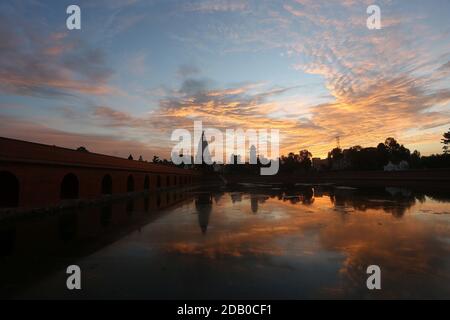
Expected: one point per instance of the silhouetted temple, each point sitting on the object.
(203, 156)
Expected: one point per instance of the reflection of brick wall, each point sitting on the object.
(40, 169)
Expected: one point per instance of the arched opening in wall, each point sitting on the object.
(107, 184)
(146, 183)
(168, 181)
(9, 190)
(158, 181)
(69, 187)
(130, 183)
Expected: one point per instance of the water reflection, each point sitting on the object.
(251, 242)
(254, 203)
(203, 204)
(55, 237)
(106, 215)
(130, 207)
(390, 200)
(395, 201)
(304, 196)
(146, 204)
(7, 240)
(68, 225)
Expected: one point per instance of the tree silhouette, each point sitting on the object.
(305, 159)
(391, 144)
(396, 151)
(415, 159)
(305, 155)
(446, 141)
(335, 154)
(82, 149)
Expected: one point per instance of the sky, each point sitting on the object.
(137, 70)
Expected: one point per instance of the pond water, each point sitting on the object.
(248, 243)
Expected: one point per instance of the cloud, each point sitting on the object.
(358, 116)
(217, 5)
(445, 66)
(187, 70)
(379, 83)
(35, 63)
(116, 4)
(137, 64)
(114, 145)
(234, 106)
(247, 106)
(115, 118)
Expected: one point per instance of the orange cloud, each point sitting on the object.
(49, 65)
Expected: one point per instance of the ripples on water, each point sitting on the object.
(263, 242)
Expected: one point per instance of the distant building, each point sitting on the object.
(401, 166)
